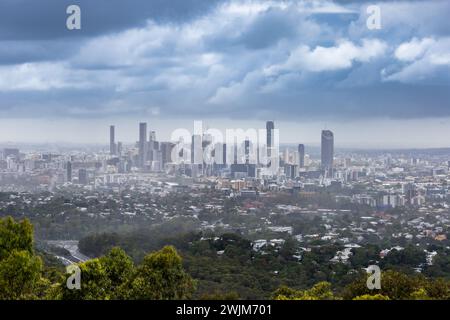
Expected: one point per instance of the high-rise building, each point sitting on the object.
(224, 153)
(235, 151)
(291, 171)
(69, 171)
(112, 143)
(327, 151)
(142, 143)
(166, 151)
(286, 156)
(153, 145)
(152, 136)
(270, 126)
(207, 148)
(247, 151)
(301, 155)
(196, 149)
(219, 154)
(82, 176)
(119, 148)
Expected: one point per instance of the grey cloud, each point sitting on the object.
(178, 65)
(46, 19)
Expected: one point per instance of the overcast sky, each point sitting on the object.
(305, 64)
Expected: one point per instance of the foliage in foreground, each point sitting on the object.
(160, 275)
(113, 276)
(394, 286)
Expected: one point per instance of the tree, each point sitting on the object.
(410, 257)
(19, 275)
(420, 294)
(15, 236)
(400, 286)
(161, 277)
(20, 269)
(438, 289)
(289, 249)
(119, 268)
(320, 291)
(371, 297)
(95, 284)
(220, 296)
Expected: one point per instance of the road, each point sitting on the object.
(72, 246)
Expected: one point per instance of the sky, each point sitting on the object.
(308, 65)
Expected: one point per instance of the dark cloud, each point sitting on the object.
(268, 29)
(220, 65)
(16, 52)
(36, 30)
(46, 19)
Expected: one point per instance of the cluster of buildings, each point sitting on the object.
(349, 197)
(244, 168)
(244, 157)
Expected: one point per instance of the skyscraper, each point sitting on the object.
(69, 171)
(152, 145)
(247, 151)
(112, 143)
(166, 151)
(142, 143)
(83, 176)
(286, 156)
(152, 136)
(327, 151)
(224, 154)
(119, 148)
(196, 150)
(301, 155)
(235, 151)
(270, 126)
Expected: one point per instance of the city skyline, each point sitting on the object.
(224, 150)
(375, 135)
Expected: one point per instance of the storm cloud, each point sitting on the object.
(285, 60)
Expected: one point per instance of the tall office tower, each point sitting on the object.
(196, 149)
(119, 148)
(166, 152)
(142, 143)
(69, 171)
(112, 143)
(327, 151)
(152, 144)
(270, 126)
(82, 176)
(236, 150)
(224, 154)
(207, 149)
(301, 155)
(247, 151)
(152, 136)
(286, 156)
(217, 154)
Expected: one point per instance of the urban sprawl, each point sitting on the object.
(352, 198)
